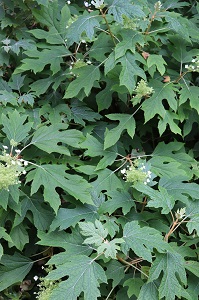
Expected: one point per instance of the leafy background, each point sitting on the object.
(99, 139)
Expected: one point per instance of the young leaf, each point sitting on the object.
(85, 275)
(109, 248)
(125, 122)
(96, 231)
(174, 275)
(142, 240)
(13, 269)
(86, 77)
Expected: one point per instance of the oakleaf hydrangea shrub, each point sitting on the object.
(99, 149)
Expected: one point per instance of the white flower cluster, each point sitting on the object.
(137, 174)
(158, 5)
(97, 3)
(194, 67)
(11, 168)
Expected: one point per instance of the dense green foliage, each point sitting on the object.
(99, 145)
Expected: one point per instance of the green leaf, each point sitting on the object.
(80, 112)
(70, 217)
(142, 240)
(52, 55)
(153, 105)
(85, 23)
(128, 44)
(24, 44)
(115, 271)
(192, 212)
(158, 61)
(42, 215)
(85, 275)
(47, 138)
(149, 291)
(190, 93)
(96, 231)
(55, 20)
(116, 200)
(193, 267)
(125, 122)
(134, 285)
(19, 237)
(27, 98)
(8, 97)
(106, 180)
(130, 69)
(180, 190)
(157, 199)
(109, 248)
(169, 119)
(72, 243)
(4, 235)
(123, 8)
(13, 269)
(174, 275)
(52, 176)
(14, 127)
(86, 77)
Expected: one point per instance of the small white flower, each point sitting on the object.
(35, 278)
(17, 151)
(123, 171)
(24, 172)
(86, 4)
(25, 162)
(145, 183)
(193, 67)
(89, 62)
(68, 2)
(83, 41)
(5, 147)
(186, 66)
(148, 180)
(193, 60)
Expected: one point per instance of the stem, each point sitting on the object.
(110, 293)
(131, 265)
(109, 29)
(172, 229)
